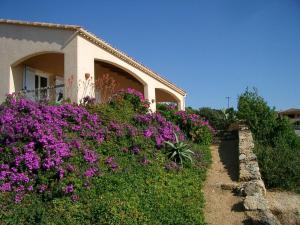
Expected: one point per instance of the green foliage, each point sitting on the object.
(219, 119)
(216, 117)
(168, 112)
(119, 110)
(143, 190)
(201, 135)
(135, 98)
(179, 151)
(280, 166)
(195, 126)
(254, 110)
(277, 145)
(136, 194)
(121, 107)
(230, 116)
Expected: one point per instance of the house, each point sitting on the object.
(292, 113)
(294, 116)
(67, 61)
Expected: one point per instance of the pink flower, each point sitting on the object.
(69, 189)
(90, 156)
(18, 198)
(148, 133)
(74, 198)
(90, 172)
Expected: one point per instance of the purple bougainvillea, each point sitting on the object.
(35, 138)
(69, 189)
(158, 128)
(90, 172)
(194, 120)
(111, 163)
(44, 147)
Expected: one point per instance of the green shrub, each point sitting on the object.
(196, 128)
(280, 166)
(201, 135)
(119, 110)
(216, 117)
(121, 107)
(169, 112)
(261, 119)
(277, 145)
(136, 194)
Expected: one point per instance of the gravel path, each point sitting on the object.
(222, 206)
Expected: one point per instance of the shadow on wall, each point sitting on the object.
(36, 34)
(228, 151)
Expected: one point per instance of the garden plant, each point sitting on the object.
(277, 146)
(99, 163)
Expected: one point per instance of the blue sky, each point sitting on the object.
(212, 49)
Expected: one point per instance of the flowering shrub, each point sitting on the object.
(156, 127)
(63, 165)
(121, 107)
(44, 146)
(39, 144)
(195, 127)
(133, 96)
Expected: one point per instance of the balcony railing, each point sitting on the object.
(51, 93)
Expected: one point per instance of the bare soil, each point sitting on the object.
(223, 207)
(285, 206)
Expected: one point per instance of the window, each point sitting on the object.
(41, 82)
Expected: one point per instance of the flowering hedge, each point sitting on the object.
(50, 149)
(136, 98)
(91, 164)
(195, 127)
(39, 144)
(156, 126)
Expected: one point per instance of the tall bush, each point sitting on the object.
(277, 146)
(254, 110)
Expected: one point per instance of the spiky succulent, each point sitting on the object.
(179, 151)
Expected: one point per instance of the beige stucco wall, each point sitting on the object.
(122, 79)
(89, 52)
(18, 43)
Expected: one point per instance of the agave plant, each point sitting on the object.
(179, 151)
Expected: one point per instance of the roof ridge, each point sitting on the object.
(134, 60)
(45, 24)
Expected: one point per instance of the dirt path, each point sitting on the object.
(222, 206)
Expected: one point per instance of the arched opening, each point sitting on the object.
(164, 97)
(110, 78)
(40, 76)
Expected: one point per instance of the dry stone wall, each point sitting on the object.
(251, 186)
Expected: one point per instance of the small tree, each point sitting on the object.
(261, 119)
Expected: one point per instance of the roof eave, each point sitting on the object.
(98, 41)
(121, 55)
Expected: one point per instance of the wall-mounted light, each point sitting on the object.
(87, 76)
(152, 100)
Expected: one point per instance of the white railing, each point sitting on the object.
(51, 93)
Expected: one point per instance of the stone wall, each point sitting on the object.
(251, 186)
